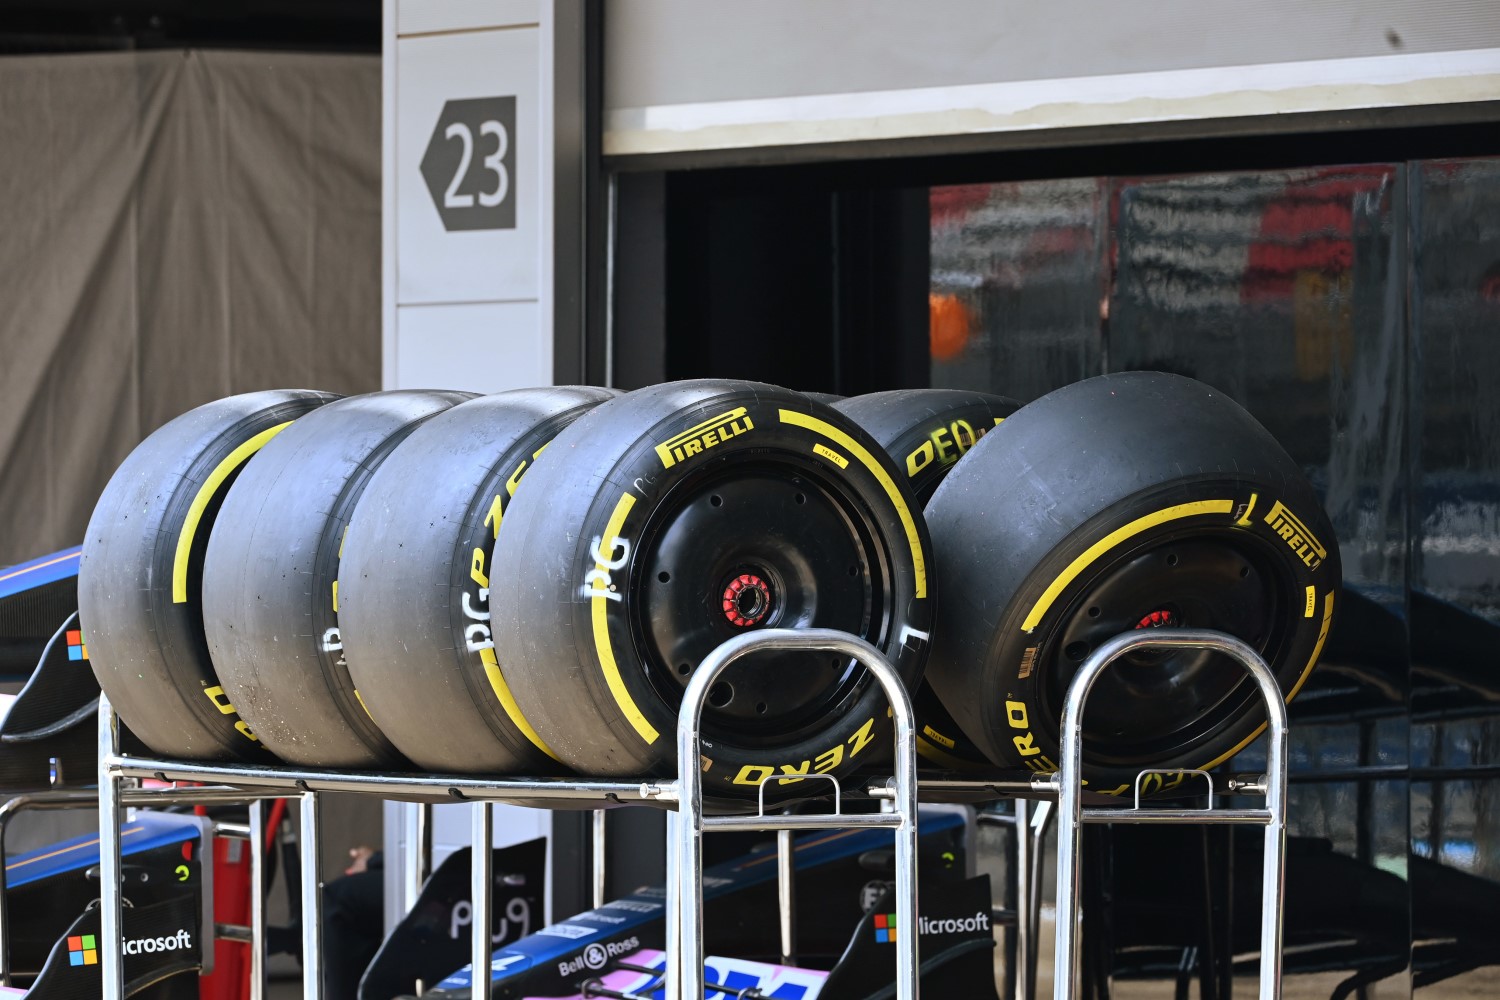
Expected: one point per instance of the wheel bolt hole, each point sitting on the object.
(1076, 651)
(1244, 572)
(1094, 612)
(801, 498)
(684, 669)
(664, 576)
(720, 695)
(836, 663)
(1172, 559)
(760, 707)
(716, 500)
(854, 571)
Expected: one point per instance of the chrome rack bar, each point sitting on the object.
(685, 847)
(1071, 815)
(481, 895)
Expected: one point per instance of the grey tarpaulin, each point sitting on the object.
(174, 227)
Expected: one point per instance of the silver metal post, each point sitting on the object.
(481, 891)
(786, 877)
(1070, 806)
(416, 863)
(600, 858)
(111, 950)
(690, 798)
(672, 942)
(1041, 823)
(257, 901)
(1025, 986)
(312, 899)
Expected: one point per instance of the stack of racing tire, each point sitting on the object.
(523, 583)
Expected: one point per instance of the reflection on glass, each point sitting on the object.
(1017, 285)
(1455, 585)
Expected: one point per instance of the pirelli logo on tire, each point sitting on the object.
(701, 437)
(1295, 534)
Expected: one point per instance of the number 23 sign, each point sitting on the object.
(470, 164)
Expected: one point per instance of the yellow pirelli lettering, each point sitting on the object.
(1109, 541)
(600, 617)
(204, 497)
(1244, 521)
(831, 455)
(862, 454)
(696, 439)
(336, 597)
(508, 700)
(1292, 531)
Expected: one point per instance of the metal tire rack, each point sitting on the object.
(687, 824)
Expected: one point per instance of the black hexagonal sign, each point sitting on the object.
(470, 164)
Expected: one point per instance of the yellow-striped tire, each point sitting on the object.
(415, 579)
(672, 518)
(926, 432)
(1138, 500)
(139, 579)
(271, 579)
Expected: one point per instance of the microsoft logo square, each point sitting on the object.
(77, 648)
(82, 950)
(885, 927)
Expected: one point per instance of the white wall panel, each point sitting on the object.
(480, 347)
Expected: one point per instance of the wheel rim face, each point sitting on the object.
(758, 545)
(1151, 702)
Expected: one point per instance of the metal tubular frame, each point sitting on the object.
(687, 824)
(1072, 815)
(685, 857)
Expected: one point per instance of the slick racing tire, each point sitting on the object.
(416, 574)
(140, 576)
(925, 431)
(675, 517)
(1140, 500)
(270, 579)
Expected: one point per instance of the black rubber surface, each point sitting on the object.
(147, 645)
(1125, 501)
(415, 579)
(926, 431)
(665, 521)
(270, 579)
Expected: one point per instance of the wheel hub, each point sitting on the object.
(747, 600)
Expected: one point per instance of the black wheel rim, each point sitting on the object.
(747, 545)
(1152, 704)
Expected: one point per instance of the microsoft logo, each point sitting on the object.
(77, 648)
(885, 927)
(82, 951)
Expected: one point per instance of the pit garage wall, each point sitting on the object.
(737, 80)
(178, 226)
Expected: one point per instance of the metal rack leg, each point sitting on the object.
(673, 930)
(111, 951)
(312, 899)
(257, 901)
(786, 891)
(600, 858)
(481, 890)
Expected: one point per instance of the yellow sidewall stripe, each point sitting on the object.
(602, 645)
(1109, 541)
(205, 496)
(508, 702)
(1312, 661)
(832, 433)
